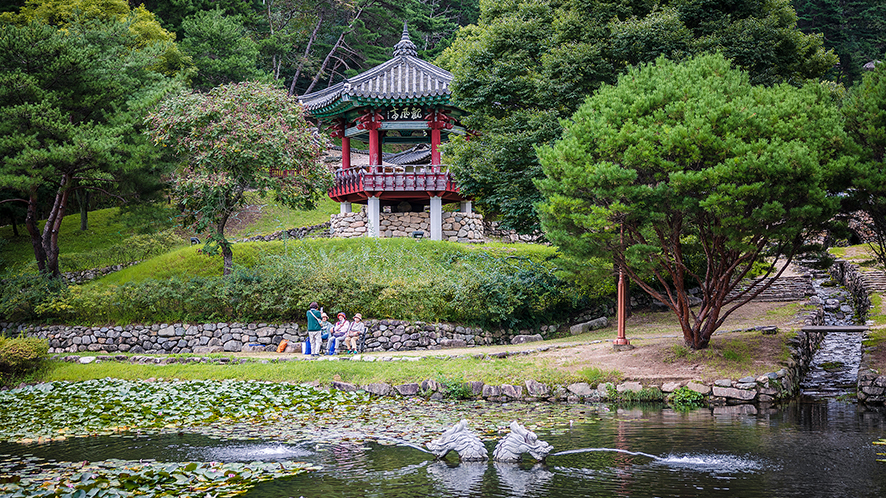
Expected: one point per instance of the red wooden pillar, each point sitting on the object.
(338, 131)
(436, 122)
(435, 146)
(371, 121)
(345, 152)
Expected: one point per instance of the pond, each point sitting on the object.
(806, 448)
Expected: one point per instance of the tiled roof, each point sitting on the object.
(403, 79)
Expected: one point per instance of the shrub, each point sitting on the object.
(685, 398)
(20, 356)
(21, 295)
(395, 279)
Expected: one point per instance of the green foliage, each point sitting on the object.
(146, 478)
(20, 355)
(455, 389)
(854, 29)
(865, 112)
(645, 394)
(135, 248)
(232, 139)
(402, 279)
(693, 149)
(594, 376)
(22, 294)
(528, 57)
(221, 49)
(685, 398)
(71, 102)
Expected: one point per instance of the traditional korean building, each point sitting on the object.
(402, 101)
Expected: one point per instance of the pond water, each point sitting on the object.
(813, 448)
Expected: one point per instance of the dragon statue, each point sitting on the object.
(519, 441)
(457, 438)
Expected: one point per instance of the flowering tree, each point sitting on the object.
(232, 139)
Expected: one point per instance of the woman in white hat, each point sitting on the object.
(357, 329)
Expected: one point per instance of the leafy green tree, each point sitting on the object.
(526, 57)
(865, 111)
(693, 154)
(222, 49)
(855, 29)
(233, 138)
(71, 102)
(142, 24)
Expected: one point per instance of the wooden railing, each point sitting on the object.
(418, 178)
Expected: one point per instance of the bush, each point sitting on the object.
(20, 356)
(394, 279)
(21, 295)
(685, 398)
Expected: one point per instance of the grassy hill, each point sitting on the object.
(490, 284)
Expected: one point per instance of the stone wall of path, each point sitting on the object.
(871, 387)
(208, 338)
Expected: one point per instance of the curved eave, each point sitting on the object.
(343, 106)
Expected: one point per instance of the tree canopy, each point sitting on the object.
(682, 159)
(233, 138)
(71, 102)
(865, 111)
(529, 63)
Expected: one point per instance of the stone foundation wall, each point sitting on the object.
(457, 227)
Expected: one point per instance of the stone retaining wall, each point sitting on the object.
(871, 386)
(382, 335)
(851, 277)
(81, 276)
(457, 227)
(313, 231)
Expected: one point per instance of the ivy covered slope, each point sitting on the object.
(491, 285)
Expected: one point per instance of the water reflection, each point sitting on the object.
(458, 479)
(520, 482)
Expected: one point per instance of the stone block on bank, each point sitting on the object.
(580, 389)
(581, 328)
(732, 393)
(410, 389)
(699, 388)
(669, 387)
(344, 386)
(536, 389)
(379, 389)
(629, 386)
(524, 338)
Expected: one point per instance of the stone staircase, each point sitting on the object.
(874, 280)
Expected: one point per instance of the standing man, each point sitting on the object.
(314, 328)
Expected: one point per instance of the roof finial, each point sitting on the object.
(405, 45)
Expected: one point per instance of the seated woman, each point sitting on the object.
(325, 329)
(353, 336)
(339, 332)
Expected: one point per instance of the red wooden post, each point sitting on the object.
(374, 158)
(436, 122)
(435, 146)
(371, 121)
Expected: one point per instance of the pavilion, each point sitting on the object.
(402, 101)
